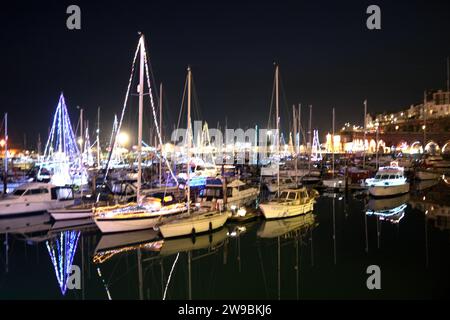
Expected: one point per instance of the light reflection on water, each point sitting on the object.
(319, 255)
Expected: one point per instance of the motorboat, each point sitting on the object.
(238, 194)
(291, 202)
(389, 181)
(35, 197)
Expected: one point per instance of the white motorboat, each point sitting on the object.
(238, 194)
(195, 223)
(35, 197)
(389, 181)
(291, 202)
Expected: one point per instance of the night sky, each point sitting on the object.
(326, 54)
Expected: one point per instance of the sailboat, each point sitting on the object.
(146, 212)
(290, 202)
(202, 220)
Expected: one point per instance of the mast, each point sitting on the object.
(141, 107)
(332, 146)
(160, 128)
(310, 138)
(5, 176)
(364, 136)
(81, 132)
(189, 139)
(98, 137)
(299, 125)
(295, 142)
(278, 128)
(448, 74)
(424, 119)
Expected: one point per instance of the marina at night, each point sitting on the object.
(212, 151)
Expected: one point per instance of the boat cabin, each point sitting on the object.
(290, 195)
(44, 190)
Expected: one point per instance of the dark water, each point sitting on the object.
(320, 255)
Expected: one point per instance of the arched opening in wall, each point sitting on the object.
(372, 146)
(446, 148)
(432, 148)
(382, 147)
(416, 147)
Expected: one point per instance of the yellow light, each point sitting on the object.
(2, 143)
(396, 127)
(423, 127)
(123, 138)
(80, 141)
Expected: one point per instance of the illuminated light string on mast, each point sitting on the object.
(158, 130)
(62, 250)
(316, 152)
(61, 153)
(125, 105)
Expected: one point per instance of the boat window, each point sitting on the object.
(292, 196)
(37, 191)
(384, 177)
(392, 176)
(288, 181)
(61, 193)
(211, 192)
(18, 192)
(378, 177)
(283, 195)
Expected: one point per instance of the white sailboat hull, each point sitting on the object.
(274, 210)
(70, 214)
(124, 225)
(386, 191)
(195, 224)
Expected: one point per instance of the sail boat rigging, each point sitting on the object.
(146, 212)
(290, 202)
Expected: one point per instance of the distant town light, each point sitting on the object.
(423, 127)
(2, 143)
(123, 138)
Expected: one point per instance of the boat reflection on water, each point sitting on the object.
(125, 239)
(62, 248)
(25, 224)
(388, 209)
(286, 227)
(186, 244)
(436, 207)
